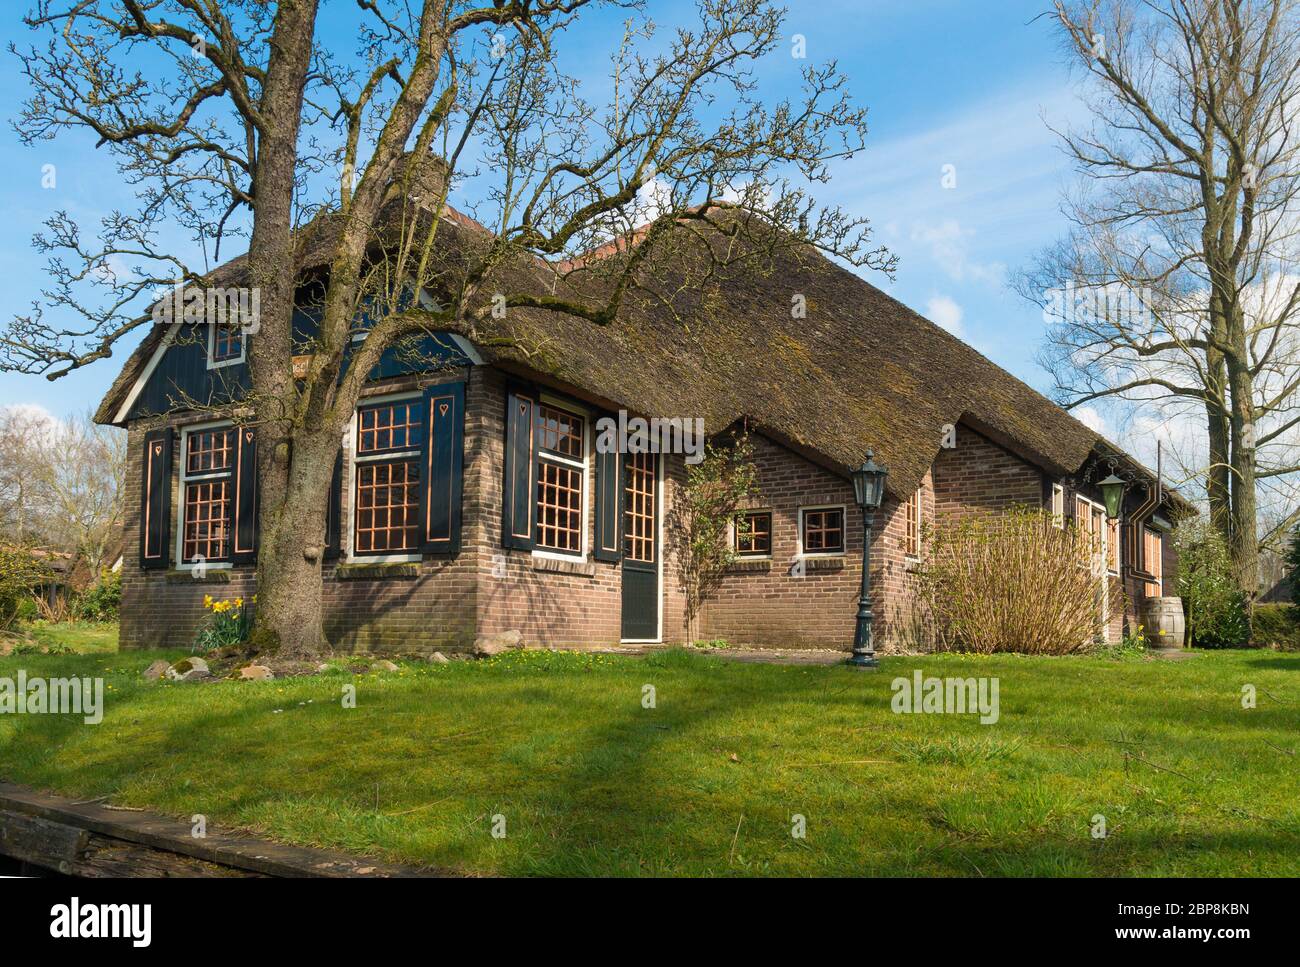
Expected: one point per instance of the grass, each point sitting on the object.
(709, 780)
(87, 637)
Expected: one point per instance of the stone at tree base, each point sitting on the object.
(155, 671)
(323, 667)
(255, 673)
(489, 645)
(383, 665)
(438, 658)
(188, 669)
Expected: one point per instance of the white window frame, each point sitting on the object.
(186, 478)
(919, 497)
(804, 555)
(214, 363)
(352, 441)
(1058, 506)
(771, 540)
(584, 465)
(1100, 568)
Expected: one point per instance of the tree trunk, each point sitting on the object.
(289, 618)
(1243, 543)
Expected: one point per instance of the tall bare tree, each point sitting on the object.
(1176, 284)
(61, 483)
(236, 117)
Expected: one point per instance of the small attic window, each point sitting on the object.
(225, 345)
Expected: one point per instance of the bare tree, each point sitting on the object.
(80, 470)
(22, 514)
(61, 483)
(1176, 286)
(245, 123)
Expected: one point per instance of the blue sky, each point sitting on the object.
(948, 82)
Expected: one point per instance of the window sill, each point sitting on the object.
(582, 569)
(744, 566)
(377, 572)
(216, 574)
(823, 563)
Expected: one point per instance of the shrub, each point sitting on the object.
(1008, 583)
(229, 624)
(1292, 564)
(103, 601)
(1276, 626)
(20, 575)
(1214, 607)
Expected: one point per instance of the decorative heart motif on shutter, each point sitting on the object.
(523, 407)
(248, 436)
(442, 409)
(157, 448)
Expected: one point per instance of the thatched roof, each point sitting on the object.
(859, 371)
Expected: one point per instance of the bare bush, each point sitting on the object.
(1013, 582)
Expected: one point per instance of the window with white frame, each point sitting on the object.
(561, 479)
(1152, 550)
(386, 477)
(207, 464)
(1090, 517)
(912, 509)
(821, 530)
(225, 344)
(1058, 505)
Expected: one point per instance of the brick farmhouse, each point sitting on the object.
(470, 496)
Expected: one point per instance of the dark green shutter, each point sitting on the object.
(442, 468)
(334, 512)
(245, 496)
(519, 498)
(156, 499)
(609, 502)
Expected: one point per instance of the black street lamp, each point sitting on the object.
(868, 491)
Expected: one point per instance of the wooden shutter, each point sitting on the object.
(609, 503)
(334, 512)
(442, 468)
(519, 496)
(245, 501)
(156, 499)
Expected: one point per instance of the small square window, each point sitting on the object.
(227, 343)
(754, 534)
(823, 531)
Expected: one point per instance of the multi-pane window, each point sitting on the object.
(639, 507)
(1152, 546)
(912, 525)
(754, 533)
(387, 494)
(227, 343)
(561, 476)
(1112, 545)
(823, 531)
(1091, 519)
(205, 488)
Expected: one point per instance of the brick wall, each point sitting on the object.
(484, 589)
(560, 603)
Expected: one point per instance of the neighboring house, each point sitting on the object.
(469, 496)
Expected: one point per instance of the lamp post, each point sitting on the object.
(868, 491)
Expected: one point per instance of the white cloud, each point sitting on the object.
(1091, 418)
(949, 245)
(945, 313)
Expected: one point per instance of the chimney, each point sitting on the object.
(425, 186)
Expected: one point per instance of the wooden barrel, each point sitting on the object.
(1164, 624)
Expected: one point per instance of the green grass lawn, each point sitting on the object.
(707, 782)
(82, 636)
